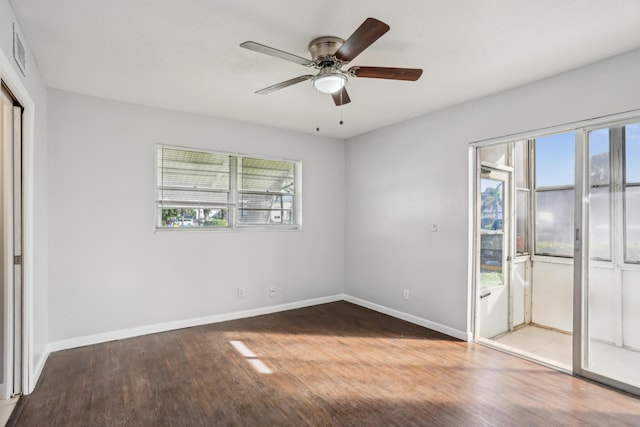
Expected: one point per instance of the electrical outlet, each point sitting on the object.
(405, 294)
(434, 226)
(272, 291)
(240, 292)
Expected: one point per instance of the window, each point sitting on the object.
(521, 163)
(599, 201)
(614, 193)
(554, 194)
(492, 239)
(523, 194)
(632, 193)
(522, 228)
(218, 190)
(495, 154)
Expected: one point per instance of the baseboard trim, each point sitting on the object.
(461, 335)
(37, 371)
(180, 324)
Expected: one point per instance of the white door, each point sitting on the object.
(493, 253)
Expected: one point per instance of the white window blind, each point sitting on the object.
(267, 191)
(192, 178)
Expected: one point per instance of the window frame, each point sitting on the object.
(241, 191)
(233, 204)
(526, 166)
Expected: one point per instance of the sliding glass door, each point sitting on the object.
(610, 342)
(589, 321)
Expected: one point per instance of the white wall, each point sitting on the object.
(403, 177)
(552, 294)
(111, 271)
(521, 292)
(35, 183)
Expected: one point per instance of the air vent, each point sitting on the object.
(19, 52)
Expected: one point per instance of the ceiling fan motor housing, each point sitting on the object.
(322, 50)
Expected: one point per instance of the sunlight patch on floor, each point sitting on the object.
(251, 357)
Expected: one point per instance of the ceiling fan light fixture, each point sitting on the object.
(329, 83)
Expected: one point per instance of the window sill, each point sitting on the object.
(241, 228)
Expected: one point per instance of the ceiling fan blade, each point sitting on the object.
(341, 97)
(410, 74)
(282, 85)
(260, 48)
(367, 33)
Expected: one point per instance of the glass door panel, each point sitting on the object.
(493, 316)
(611, 288)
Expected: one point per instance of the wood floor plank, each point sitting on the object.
(333, 364)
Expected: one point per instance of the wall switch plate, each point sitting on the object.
(240, 292)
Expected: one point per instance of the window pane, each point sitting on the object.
(632, 194)
(492, 235)
(599, 157)
(496, 154)
(599, 219)
(555, 160)
(491, 259)
(195, 217)
(632, 224)
(267, 190)
(266, 209)
(522, 212)
(554, 222)
(192, 169)
(632, 152)
(267, 176)
(521, 166)
(266, 201)
(264, 216)
(492, 194)
(187, 178)
(178, 197)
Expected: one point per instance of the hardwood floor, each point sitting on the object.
(333, 364)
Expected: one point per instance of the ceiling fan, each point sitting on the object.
(329, 54)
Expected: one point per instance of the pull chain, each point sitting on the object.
(317, 110)
(341, 106)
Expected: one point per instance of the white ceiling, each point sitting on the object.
(184, 55)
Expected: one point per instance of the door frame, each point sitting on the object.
(11, 214)
(15, 83)
(476, 241)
